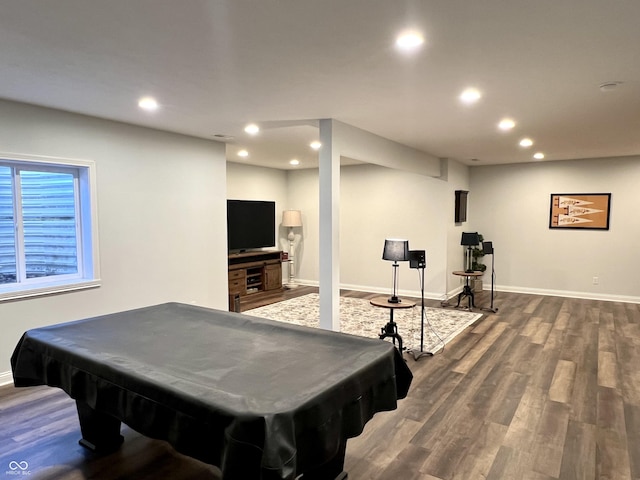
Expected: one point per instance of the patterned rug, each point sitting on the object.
(359, 317)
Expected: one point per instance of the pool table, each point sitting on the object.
(260, 399)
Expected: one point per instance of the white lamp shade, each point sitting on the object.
(291, 218)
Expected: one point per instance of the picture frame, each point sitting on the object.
(580, 211)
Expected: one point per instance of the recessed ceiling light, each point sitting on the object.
(222, 137)
(470, 95)
(506, 124)
(315, 145)
(149, 104)
(538, 156)
(252, 129)
(243, 153)
(526, 142)
(409, 40)
(294, 162)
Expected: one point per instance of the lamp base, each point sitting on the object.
(394, 299)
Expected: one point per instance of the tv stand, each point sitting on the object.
(253, 273)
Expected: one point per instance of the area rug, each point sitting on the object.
(359, 317)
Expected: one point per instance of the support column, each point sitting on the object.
(329, 164)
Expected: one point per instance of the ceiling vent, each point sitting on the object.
(609, 86)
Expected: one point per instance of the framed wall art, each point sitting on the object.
(587, 211)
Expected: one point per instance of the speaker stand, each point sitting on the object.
(421, 353)
(493, 274)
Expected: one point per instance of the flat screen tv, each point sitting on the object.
(251, 224)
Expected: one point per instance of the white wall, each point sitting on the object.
(457, 176)
(303, 192)
(509, 204)
(162, 210)
(378, 203)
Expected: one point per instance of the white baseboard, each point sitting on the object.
(607, 297)
(5, 378)
(487, 287)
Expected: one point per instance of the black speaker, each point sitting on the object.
(461, 206)
(487, 247)
(417, 259)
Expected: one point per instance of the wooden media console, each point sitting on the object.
(254, 272)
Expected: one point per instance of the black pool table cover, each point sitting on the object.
(258, 398)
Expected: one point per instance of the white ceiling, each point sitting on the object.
(215, 65)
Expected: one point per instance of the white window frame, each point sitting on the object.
(88, 275)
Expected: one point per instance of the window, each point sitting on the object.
(48, 239)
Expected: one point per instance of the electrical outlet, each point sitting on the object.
(595, 280)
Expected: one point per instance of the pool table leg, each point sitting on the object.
(332, 469)
(100, 432)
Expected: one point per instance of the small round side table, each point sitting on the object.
(391, 328)
(467, 291)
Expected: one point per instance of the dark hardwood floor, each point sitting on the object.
(546, 388)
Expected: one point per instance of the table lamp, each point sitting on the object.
(469, 240)
(395, 250)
